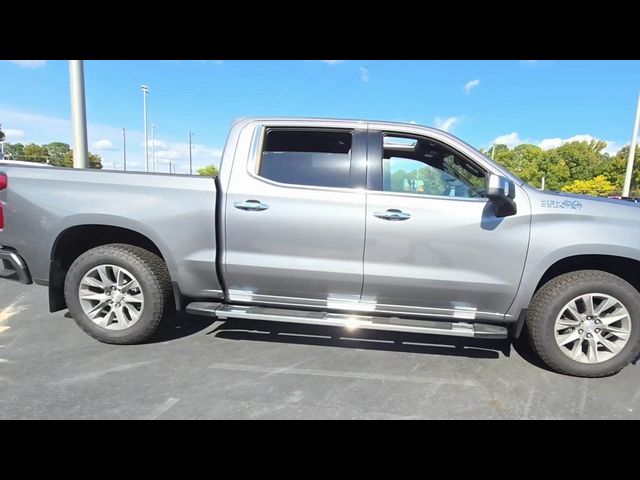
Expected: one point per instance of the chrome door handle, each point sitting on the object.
(251, 205)
(393, 214)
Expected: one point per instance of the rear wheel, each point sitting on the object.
(585, 323)
(119, 293)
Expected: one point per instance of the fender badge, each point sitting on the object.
(565, 204)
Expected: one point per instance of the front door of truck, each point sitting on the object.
(295, 217)
(434, 245)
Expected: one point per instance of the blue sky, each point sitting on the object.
(536, 101)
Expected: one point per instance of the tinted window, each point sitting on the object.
(320, 158)
(422, 166)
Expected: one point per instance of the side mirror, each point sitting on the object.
(501, 191)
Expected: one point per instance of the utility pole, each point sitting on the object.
(544, 177)
(78, 114)
(493, 150)
(145, 91)
(632, 154)
(124, 148)
(190, 159)
(153, 147)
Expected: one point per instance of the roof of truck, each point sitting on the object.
(332, 120)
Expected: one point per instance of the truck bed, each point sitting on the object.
(176, 213)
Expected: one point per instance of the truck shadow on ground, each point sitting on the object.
(184, 325)
(318, 335)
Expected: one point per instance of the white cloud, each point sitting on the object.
(13, 133)
(332, 62)
(446, 124)
(513, 139)
(29, 63)
(612, 147)
(158, 144)
(548, 143)
(364, 74)
(470, 85)
(413, 121)
(510, 140)
(44, 129)
(104, 144)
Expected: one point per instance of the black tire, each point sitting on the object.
(153, 277)
(554, 295)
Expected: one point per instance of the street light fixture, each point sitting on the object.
(145, 92)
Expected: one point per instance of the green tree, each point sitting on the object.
(95, 161)
(208, 171)
(597, 187)
(1, 135)
(615, 168)
(58, 151)
(524, 161)
(555, 170)
(34, 153)
(13, 151)
(582, 158)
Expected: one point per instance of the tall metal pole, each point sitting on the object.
(493, 150)
(153, 147)
(190, 159)
(632, 153)
(124, 148)
(78, 114)
(145, 91)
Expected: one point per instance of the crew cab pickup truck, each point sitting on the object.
(345, 223)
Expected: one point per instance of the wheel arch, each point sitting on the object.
(74, 240)
(626, 268)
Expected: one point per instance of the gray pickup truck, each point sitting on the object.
(345, 223)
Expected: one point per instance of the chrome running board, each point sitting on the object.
(350, 322)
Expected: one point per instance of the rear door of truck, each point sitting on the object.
(295, 216)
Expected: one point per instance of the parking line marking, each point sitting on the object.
(99, 373)
(8, 312)
(341, 374)
(165, 407)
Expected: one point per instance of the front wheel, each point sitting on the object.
(585, 323)
(118, 293)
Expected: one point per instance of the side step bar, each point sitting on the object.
(351, 322)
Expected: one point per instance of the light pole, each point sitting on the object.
(153, 147)
(190, 160)
(145, 91)
(632, 154)
(78, 114)
(124, 148)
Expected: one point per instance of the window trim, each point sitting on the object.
(358, 140)
(375, 158)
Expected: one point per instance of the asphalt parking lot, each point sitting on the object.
(200, 369)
